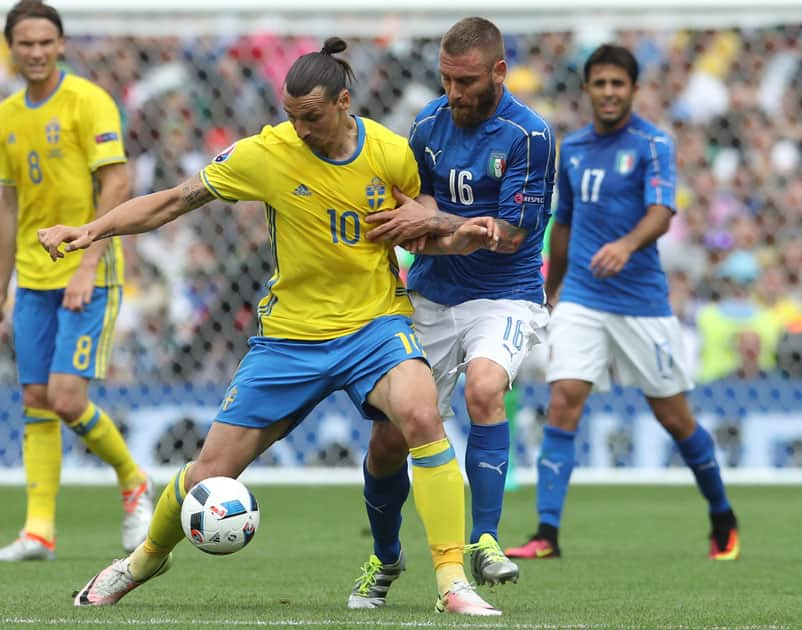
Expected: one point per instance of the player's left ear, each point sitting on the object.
(499, 71)
(60, 47)
(344, 100)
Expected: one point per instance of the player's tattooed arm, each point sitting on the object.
(444, 223)
(412, 219)
(140, 214)
(510, 237)
(194, 194)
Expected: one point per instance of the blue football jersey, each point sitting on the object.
(504, 168)
(606, 183)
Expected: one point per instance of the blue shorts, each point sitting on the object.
(51, 339)
(280, 378)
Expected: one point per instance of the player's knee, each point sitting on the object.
(484, 399)
(67, 406)
(679, 426)
(675, 415)
(387, 450)
(421, 424)
(565, 408)
(35, 398)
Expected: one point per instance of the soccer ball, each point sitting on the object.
(219, 515)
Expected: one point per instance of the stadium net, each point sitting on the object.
(725, 78)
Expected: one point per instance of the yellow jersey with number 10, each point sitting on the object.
(48, 152)
(329, 280)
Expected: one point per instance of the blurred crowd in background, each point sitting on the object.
(732, 100)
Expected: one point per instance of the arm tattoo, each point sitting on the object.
(194, 194)
(510, 237)
(445, 223)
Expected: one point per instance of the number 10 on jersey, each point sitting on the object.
(341, 225)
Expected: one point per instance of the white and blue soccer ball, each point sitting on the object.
(219, 515)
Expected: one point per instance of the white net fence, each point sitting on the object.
(725, 79)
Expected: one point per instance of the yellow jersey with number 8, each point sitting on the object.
(329, 279)
(49, 151)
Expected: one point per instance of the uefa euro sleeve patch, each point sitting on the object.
(225, 153)
(109, 136)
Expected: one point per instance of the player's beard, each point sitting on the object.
(465, 117)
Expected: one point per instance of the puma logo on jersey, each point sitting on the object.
(542, 134)
(433, 154)
(491, 467)
(552, 466)
(575, 160)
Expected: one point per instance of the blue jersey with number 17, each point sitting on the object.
(502, 168)
(606, 184)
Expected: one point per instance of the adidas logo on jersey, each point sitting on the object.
(302, 191)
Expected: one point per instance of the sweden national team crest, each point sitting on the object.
(53, 131)
(625, 162)
(496, 164)
(229, 398)
(375, 192)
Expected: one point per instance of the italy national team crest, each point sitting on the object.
(496, 164)
(625, 162)
(375, 192)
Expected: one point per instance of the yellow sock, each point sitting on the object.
(165, 529)
(41, 454)
(439, 492)
(103, 438)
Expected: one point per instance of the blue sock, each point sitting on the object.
(486, 460)
(699, 454)
(383, 501)
(554, 468)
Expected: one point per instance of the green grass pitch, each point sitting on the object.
(634, 557)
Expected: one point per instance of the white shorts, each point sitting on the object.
(452, 336)
(591, 345)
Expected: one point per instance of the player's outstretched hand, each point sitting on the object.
(610, 259)
(74, 237)
(406, 222)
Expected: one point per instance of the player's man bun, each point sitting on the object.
(333, 45)
(320, 69)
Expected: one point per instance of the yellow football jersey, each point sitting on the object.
(48, 151)
(329, 279)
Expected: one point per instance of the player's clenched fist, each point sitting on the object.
(74, 237)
